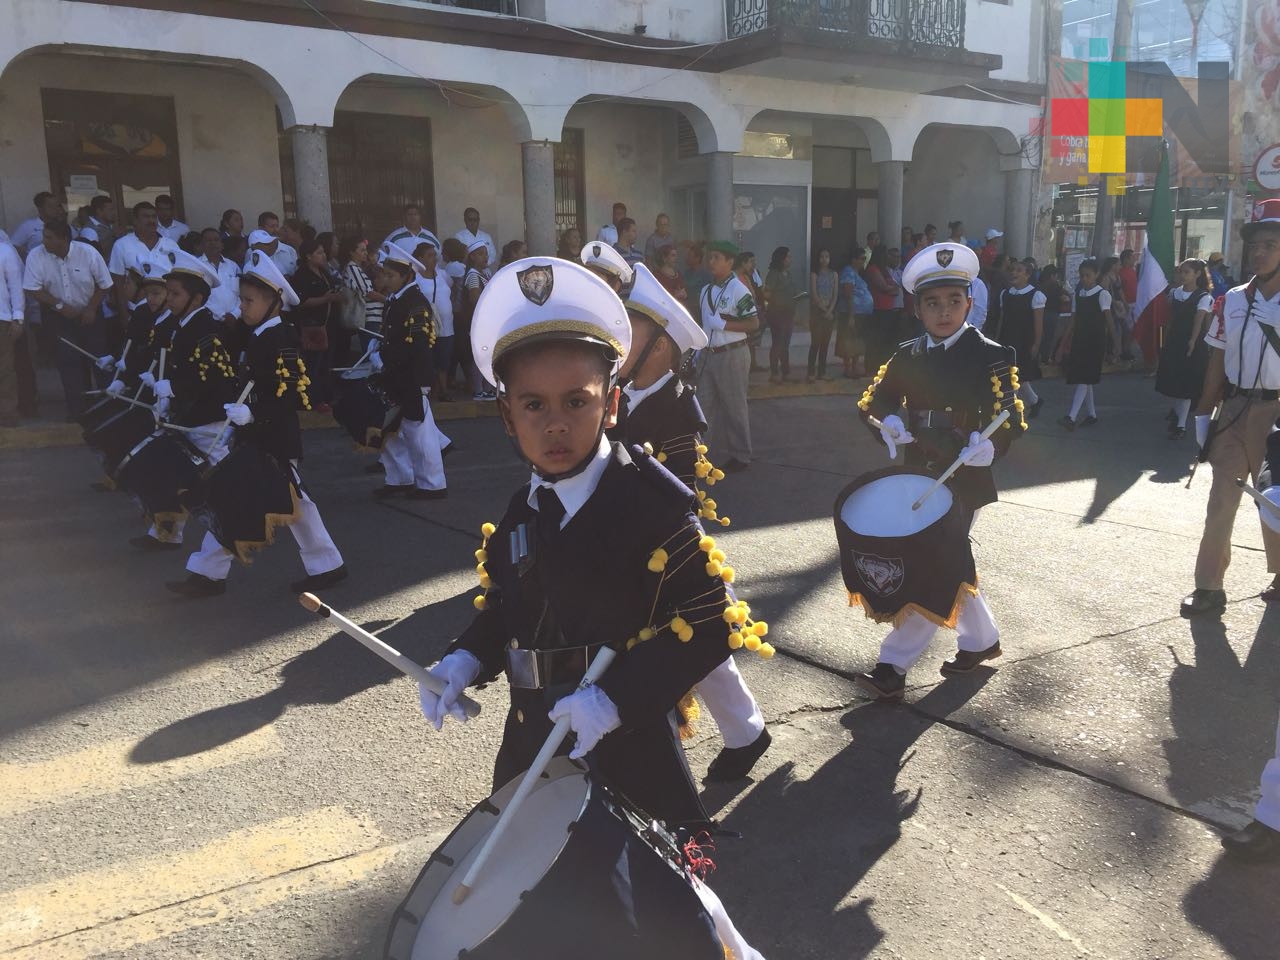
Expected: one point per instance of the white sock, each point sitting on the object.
(1029, 394)
(1180, 410)
(1077, 400)
(1088, 402)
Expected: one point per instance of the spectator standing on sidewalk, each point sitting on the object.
(824, 293)
(780, 309)
(729, 316)
(12, 300)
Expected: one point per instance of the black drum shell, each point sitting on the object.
(160, 473)
(120, 433)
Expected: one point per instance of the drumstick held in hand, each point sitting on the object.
(1252, 491)
(226, 424)
(599, 665)
(387, 652)
(79, 349)
(986, 435)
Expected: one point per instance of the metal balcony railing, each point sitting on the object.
(898, 23)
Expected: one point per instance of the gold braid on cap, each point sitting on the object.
(647, 311)
(516, 337)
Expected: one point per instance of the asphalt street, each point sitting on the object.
(229, 778)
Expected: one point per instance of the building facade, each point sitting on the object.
(798, 122)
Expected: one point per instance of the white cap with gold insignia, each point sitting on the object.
(601, 256)
(259, 266)
(545, 298)
(153, 265)
(651, 299)
(185, 264)
(394, 253)
(943, 264)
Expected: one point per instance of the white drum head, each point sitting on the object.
(524, 855)
(882, 508)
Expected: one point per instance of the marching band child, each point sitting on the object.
(953, 382)
(144, 317)
(270, 420)
(657, 408)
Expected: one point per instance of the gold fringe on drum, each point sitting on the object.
(965, 591)
(689, 711)
(245, 549)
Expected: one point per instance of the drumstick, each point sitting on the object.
(175, 426)
(986, 435)
(387, 652)
(226, 424)
(561, 730)
(370, 333)
(79, 349)
(1253, 492)
(143, 386)
(362, 359)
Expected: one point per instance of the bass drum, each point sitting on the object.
(578, 875)
(158, 472)
(115, 438)
(244, 498)
(363, 410)
(896, 560)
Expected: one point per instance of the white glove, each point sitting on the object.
(1270, 517)
(163, 390)
(238, 413)
(162, 407)
(375, 361)
(148, 378)
(457, 670)
(1202, 429)
(115, 388)
(979, 452)
(894, 433)
(591, 715)
(106, 362)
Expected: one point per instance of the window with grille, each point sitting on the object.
(570, 182)
(379, 163)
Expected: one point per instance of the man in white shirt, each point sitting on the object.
(412, 232)
(167, 226)
(224, 299)
(609, 232)
(70, 280)
(729, 317)
(11, 314)
(979, 294)
(130, 248)
(472, 232)
(48, 206)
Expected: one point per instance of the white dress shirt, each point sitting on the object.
(575, 491)
(225, 298)
(267, 325)
(731, 297)
(11, 296)
(636, 395)
(408, 241)
(286, 258)
(468, 238)
(127, 250)
(1250, 362)
(30, 233)
(72, 279)
(175, 231)
(439, 293)
(978, 311)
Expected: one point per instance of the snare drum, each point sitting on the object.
(115, 437)
(896, 560)
(364, 411)
(578, 874)
(96, 415)
(158, 473)
(244, 498)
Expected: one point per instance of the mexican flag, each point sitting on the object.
(1155, 269)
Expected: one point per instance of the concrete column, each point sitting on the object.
(889, 205)
(1019, 211)
(720, 196)
(538, 158)
(311, 175)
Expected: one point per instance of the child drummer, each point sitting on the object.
(953, 382)
(601, 546)
(659, 409)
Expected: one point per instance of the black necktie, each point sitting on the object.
(550, 512)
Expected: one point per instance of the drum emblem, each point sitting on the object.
(536, 283)
(882, 574)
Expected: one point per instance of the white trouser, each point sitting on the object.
(735, 710)
(738, 948)
(906, 644)
(203, 437)
(315, 546)
(413, 455)
(1268, 810)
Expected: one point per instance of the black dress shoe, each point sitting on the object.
(151, 543)
(196, 586)
(392, 490)
(1089, 422)
(1201, 603)
(417, 493)
(1272, 593)
(319, 581)
(884, 682)
(734, 763)
(375, 467)
(965, 660)
(1067, 424)
(1033, 411)
(1257, 843)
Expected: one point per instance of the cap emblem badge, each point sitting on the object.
(945, 257)
(536, 283)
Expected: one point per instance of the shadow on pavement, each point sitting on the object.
(1236, 905)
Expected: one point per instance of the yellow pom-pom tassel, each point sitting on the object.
(488, 529)
(480, 603)
(730, 615)
(727, 574)
(481, 571)
(724, 521)
(662, 456)
(646, 634)
(710, 504)
(485, 582)
(751, 643)
(482, 555)
(678, 624)
(685, 635)
(713, 568)
(735, 640)
(717, 474)
(760, 628)
(701, 449)
(766, 650)
(631, 642)
(716, 554)
(706, 544)
(702, 494)
(658, 560)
